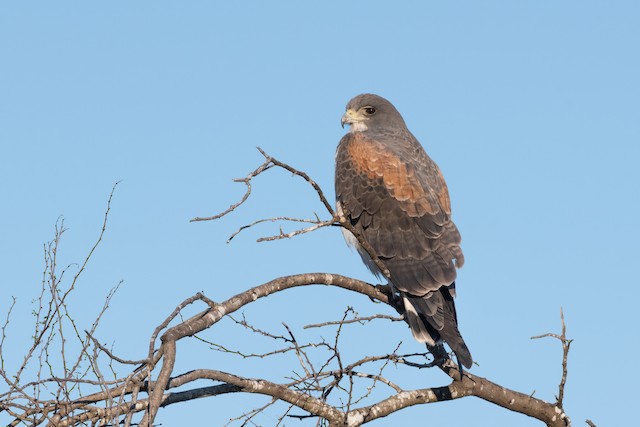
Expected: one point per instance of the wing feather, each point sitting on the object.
(400, 202)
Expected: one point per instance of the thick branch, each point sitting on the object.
(470, 386)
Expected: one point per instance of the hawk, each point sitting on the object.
(396, 198)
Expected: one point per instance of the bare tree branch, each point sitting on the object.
(338, 220)
(566, 343)
(247, 181)
(326, 385)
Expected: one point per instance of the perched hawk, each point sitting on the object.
(396, 198)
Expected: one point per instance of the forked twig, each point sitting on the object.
(339, 220)
(566, 344)
(247, 181)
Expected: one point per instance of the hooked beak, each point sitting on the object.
(348, 118)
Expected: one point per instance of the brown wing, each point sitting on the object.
(396, 197)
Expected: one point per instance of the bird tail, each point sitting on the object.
(432, 319)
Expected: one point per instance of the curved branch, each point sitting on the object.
(207, 318)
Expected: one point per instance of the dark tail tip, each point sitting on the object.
(451, 335)
(462, 353)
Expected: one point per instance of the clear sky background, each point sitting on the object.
(531, 109)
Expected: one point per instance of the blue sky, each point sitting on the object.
(530, 108)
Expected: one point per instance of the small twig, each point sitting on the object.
(247, 181)
(256, 330)
(249, 415)
(360, 320)
(566, 344)
(280, 218)
(4, 331)
(376, 378)
(95, 245)
(259, 331)
(304, 176)
(302, 355)
(297, 232)
(111, 355)
(223, 349)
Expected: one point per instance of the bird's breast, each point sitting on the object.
(378, 162)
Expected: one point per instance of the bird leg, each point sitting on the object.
(395, 300)
(441, 359)
(440, 355)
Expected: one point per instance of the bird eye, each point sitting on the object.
(369, 111)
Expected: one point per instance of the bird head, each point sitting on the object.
(371, 112)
